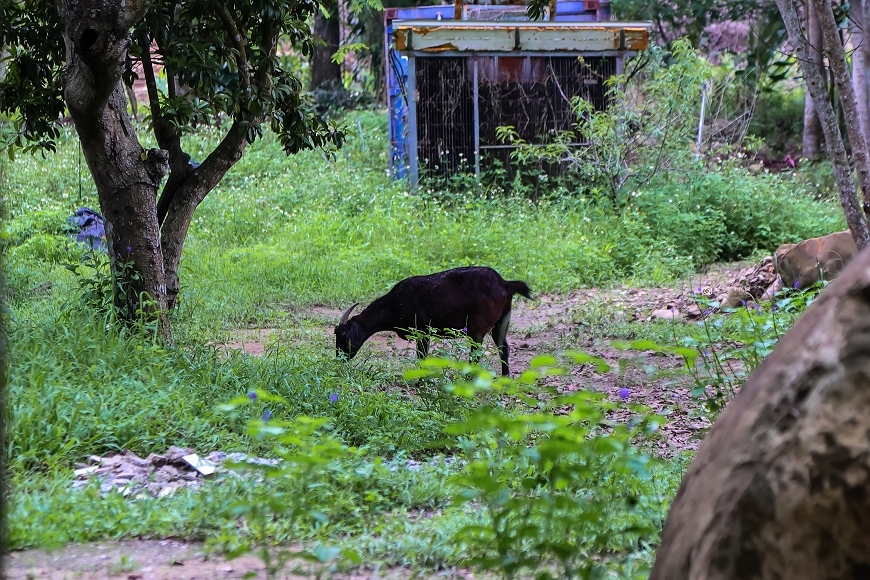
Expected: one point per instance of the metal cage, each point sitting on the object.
(451, 84)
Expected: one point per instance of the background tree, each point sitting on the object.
(327, 29)
(860, 53)
(218, 59)
(812, 135)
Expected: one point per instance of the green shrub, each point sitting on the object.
(728, 214)
(779, 120)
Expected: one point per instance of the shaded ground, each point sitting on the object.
(161, 560)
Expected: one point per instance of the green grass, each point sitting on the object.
(282, 231)
(278, 236)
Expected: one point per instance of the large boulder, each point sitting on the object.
(802, 265)
(780, 488)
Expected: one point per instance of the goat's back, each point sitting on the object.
(473, 297)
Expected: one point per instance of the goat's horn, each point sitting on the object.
(347, 312)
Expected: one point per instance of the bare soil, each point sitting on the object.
(164, 560)
(549, 324)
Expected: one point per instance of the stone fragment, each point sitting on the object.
(666, 314)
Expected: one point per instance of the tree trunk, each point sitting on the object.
(182, 201)
(779, 488)
(860, 53)
(855, 217)
(812, 138)
(837, 57)
(126, 176)
(328, 30)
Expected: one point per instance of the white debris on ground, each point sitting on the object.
(161, 475)
(155, 475)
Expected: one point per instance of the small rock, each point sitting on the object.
(772, 289)
(693, 311)
(736, 298)
(666, 314)
(156, 460)
(216, 456)
(175, 454)
(86, 470)
(166, 491)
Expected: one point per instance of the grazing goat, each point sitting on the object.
(475, 299)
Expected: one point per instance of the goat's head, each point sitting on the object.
(347, 335)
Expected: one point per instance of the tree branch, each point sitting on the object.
(239, 44)
(167, 137)
(170, 74)
(840, 72)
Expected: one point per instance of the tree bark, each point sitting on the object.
(779, 488)
(860, 53)
(812, 137)
(837, 58)
(836, 150)
(328, 30)
(187, 196)
(96, 35)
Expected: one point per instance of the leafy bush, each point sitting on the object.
(731, 347)
(779, 119)
(727, 214)
(556, 490)
(646, 131)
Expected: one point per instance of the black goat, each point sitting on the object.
(474, 299)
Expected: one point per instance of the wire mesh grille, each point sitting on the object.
(531, 93)
(445, 115)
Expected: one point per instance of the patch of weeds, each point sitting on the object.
(731, 346)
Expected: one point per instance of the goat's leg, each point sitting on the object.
(499, 337)
(423, 347)
(476, 348)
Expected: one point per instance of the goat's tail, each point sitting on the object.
(519, 287)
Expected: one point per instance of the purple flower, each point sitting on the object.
(129, 249)
(333, 397)
(267, 415)
(708, 311)
(465, 329)
(796, 284)
(624, 393)
(252, 395)
(698, 291)
(757, 308)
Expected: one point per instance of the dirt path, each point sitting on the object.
(551, 323)
(163, 560)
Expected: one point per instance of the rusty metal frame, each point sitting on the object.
(619, 54)
(413, 168)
